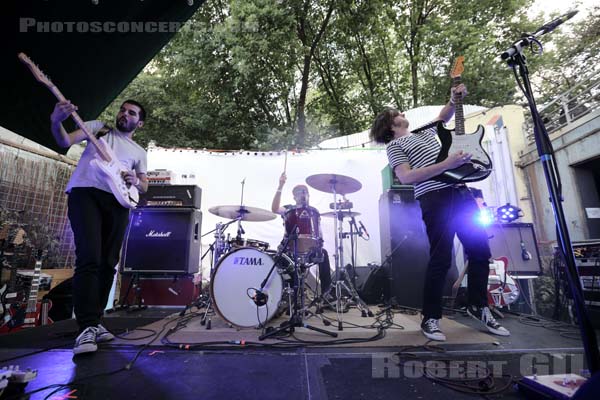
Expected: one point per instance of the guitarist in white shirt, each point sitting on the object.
(97, 219)
(447, 209)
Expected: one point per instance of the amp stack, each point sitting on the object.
(161, 251)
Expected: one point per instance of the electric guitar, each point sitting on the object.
(28, 315)
(502, 289)
(453, 141)
(106, 162)
(11, 298)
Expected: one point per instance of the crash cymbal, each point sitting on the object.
(327, 182)
(252, 214)
(343, 214)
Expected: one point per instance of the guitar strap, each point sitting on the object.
(103, 131)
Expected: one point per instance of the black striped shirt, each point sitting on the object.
(419, 149)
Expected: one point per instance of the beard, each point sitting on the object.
(123, 126)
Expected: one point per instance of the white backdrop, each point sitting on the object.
(220, 176)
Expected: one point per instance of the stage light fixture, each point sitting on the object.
(508, 213)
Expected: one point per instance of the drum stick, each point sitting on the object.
(285, 162)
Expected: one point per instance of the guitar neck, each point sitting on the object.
(459, 114)
(35, 284)
(91, 138)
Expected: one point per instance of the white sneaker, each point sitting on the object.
(431, 329)
(484, 315)
(103, 334)
(86, 341)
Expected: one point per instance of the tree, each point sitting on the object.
(258, 74)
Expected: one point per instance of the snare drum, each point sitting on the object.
(305, 220)
(235, 280)
(237, 243)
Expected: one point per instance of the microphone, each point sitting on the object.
(364, 229)
(525, 255)
(552, 25)
(260, 298)
(546, 28)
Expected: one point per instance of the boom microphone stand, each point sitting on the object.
(516, 60)
(296, 319)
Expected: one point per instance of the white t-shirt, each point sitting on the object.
(129, 153)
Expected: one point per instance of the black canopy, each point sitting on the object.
(90, 52)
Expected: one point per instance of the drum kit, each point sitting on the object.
(251, 284)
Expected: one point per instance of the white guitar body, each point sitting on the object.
(111, 173)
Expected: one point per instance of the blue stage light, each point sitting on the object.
(485, 217)
(508, 213)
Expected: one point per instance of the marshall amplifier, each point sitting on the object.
(176, 290)
(187, 196)
(162, 240)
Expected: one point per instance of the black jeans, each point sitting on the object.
(98, 222)
(447, 212)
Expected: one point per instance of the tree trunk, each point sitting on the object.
(301, 138)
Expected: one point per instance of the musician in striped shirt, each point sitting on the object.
(447, 209)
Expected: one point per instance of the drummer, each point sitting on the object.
(301, 198)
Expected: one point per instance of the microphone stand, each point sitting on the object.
(516, 59)
(291, 236)
(296, 318)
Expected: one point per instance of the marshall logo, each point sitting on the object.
(247, 261)
(161, 234)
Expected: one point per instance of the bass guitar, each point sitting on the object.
(453, 141)
(106, 162)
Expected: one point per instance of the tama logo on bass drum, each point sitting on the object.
(248, 261)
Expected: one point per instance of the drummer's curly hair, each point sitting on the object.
(381, 131)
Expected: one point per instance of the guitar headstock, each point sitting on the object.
(37, 73)
(458, 67)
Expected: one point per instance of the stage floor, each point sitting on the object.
(214, 366)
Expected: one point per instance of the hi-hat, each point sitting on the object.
(329, 183)
(341, 214)
(252, 214)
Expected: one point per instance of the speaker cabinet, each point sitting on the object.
(404, 245)
(516, 242)
(372, 282)
(162, 240)
(177, 290)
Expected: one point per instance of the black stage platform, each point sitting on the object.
(246, 372)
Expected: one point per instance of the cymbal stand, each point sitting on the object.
(342, 279)
(218, 248)
(240, 230)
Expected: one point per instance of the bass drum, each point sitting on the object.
(236, 279)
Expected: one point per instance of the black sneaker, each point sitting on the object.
(86, 341)
(103, 334)
(431, 329)
(484, 315)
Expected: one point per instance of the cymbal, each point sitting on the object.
(344, 214)
(327, 182)
(245, 213)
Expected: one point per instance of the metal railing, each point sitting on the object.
(569, 106)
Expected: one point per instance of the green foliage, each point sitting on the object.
(270, 74)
